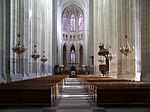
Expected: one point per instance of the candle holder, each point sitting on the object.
(19, 49)
(110, 56)
(44, 59)
(35, 56)
(126, 49)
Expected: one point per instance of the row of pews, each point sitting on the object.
(39, 91)
(107, 91)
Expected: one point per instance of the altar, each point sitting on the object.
(73, 68)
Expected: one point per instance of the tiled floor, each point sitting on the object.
(73, 98)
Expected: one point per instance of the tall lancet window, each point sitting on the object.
(72, 54)
(80, 22)
(64, 23)
(72, 23)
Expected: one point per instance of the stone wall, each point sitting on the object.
(112, 21)
(32, 19)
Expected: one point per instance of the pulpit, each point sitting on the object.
(103, 60)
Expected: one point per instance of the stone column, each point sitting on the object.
(14, 31)
(26, 38)
(34, 37)
(137, 34)
(96, 19)
(50, 38)
(6, 36)
(2, 74)
(145, 39)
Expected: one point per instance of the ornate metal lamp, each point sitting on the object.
(126, 49)
(19, 49)
(44, 59)
(35, 55)
(111, 56)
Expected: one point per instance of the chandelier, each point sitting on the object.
(126, 49)
(110, 56)
(44, 59)
(18, 48)
(35, 55)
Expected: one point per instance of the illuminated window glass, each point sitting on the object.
(72, 56)
(80, 23)
(72, 23)
(64, 23)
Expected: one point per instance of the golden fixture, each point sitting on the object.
(35, 55)
(126, 49)
(18, 48)
(110, 56)
(44, 59)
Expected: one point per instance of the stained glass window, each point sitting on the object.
(64, 23)
(72, 56)
(72, 23)
(80, 23)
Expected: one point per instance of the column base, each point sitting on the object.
(16, 77)
(2, 80)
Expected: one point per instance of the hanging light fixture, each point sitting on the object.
(110, 56)
(35, 55)
(18, 48)
(126, 49)
(44, 59)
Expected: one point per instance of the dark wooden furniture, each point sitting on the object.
(123, 94)
(40, 91)
(110, 91)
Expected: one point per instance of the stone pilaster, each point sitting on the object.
(2, 74)
(145, 39)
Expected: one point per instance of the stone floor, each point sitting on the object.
(73, 98)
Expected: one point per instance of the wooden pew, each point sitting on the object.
(26, 95)
(123, 93)
(110, 91)
(40, 91)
